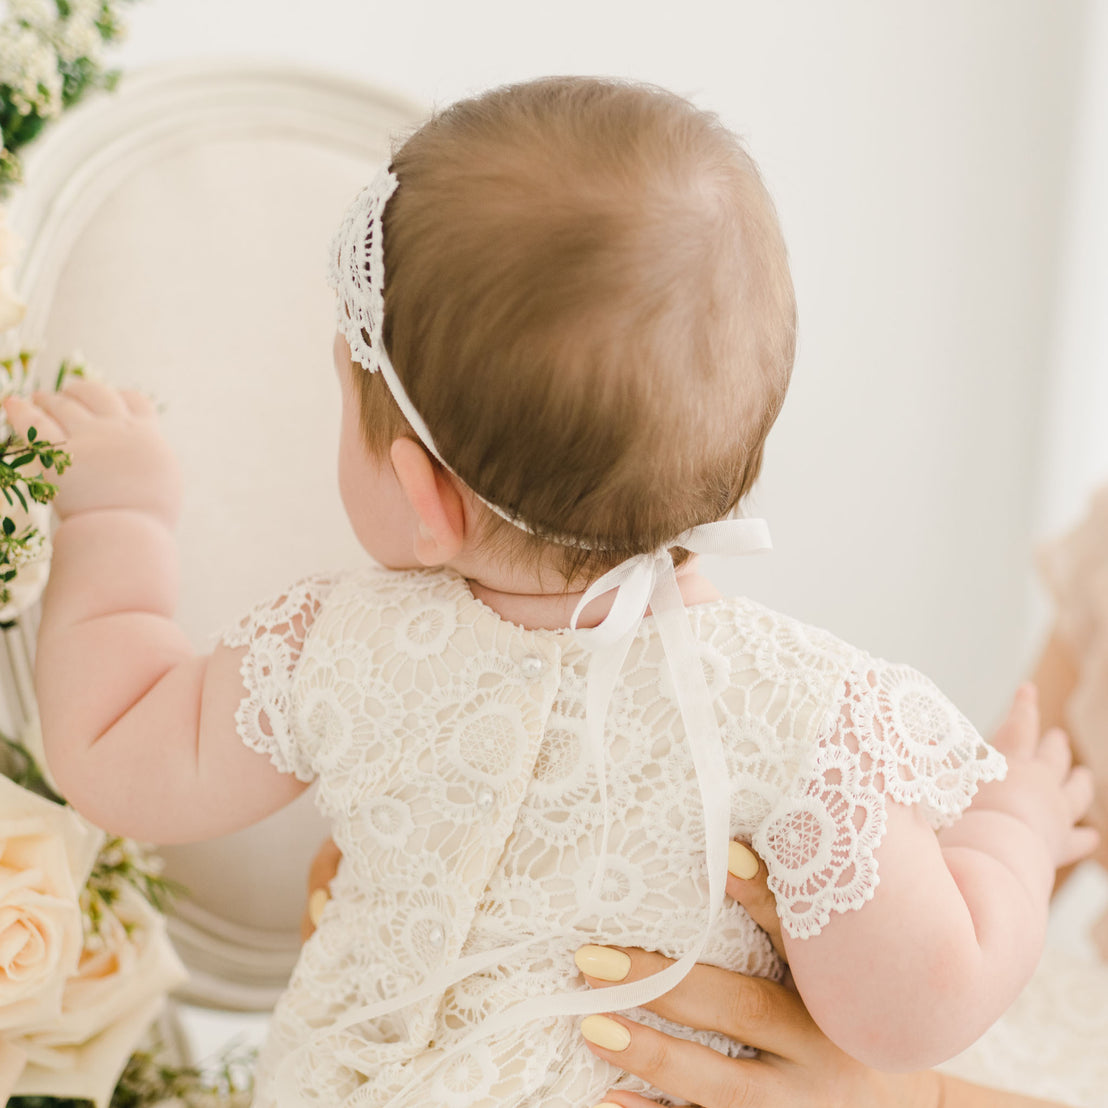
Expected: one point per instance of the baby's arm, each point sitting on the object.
(138, 730)
(957, 921)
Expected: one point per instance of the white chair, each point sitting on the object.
(176, 233)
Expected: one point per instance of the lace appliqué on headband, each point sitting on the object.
(357, 272)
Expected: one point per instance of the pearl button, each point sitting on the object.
(485, 798)
(532, 665)
(436, 936)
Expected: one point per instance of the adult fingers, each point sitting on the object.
(747, 882)
(617, 1098)
(324, 865)
(752, 1010)
(100, 399)
(681, 1068)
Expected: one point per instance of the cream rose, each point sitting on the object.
(120, 985)
(46, 853)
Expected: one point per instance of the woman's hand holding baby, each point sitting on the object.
(796, 1064)
(120, 458)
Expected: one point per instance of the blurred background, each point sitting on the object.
(940, 168)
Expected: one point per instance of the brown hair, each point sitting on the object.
(588, 301)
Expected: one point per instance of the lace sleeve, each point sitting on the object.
(274, 633)
(891, 736)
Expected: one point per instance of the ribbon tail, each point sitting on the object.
(603, 673)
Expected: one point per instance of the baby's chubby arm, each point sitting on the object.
(957, 922)
(139, 731)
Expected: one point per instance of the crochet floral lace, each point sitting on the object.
(275, 632)
(452, 758)
(356, 271)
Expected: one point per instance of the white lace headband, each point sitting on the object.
(357, 274)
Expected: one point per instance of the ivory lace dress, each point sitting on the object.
(450, 753)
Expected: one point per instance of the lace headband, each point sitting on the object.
(357, 274)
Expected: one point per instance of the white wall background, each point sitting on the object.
(919, 152)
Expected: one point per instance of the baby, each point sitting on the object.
(566, 326)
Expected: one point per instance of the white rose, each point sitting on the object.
(107, 1008)
(46, 853)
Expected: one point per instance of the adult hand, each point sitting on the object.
(797, 1067)
(324, 866)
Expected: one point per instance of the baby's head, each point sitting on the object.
(587, 300)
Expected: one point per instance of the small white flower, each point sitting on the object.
(79, 38)
(29, 67)
(32, 562)
(38, 13)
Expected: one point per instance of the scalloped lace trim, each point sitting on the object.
(275, 631)
(894, 737)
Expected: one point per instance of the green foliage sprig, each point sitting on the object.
(23, 464)
(121, 863)
(51, 56)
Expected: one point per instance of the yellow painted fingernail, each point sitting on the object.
(741, 861)
(605, 1033)
(603, 962)
(316, 903)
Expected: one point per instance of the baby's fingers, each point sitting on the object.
(68, 413)
(100, 399)
(138, 403)
(1054, 752)
(1079, 844)
(1078, 790)
(1018, 734)
(23, 415)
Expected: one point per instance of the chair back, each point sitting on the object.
(175, 237)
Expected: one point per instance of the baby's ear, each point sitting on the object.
(433, 493)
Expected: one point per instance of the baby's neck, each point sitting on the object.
(525, 603)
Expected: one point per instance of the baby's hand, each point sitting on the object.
(1043, 788)
(120, 459)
